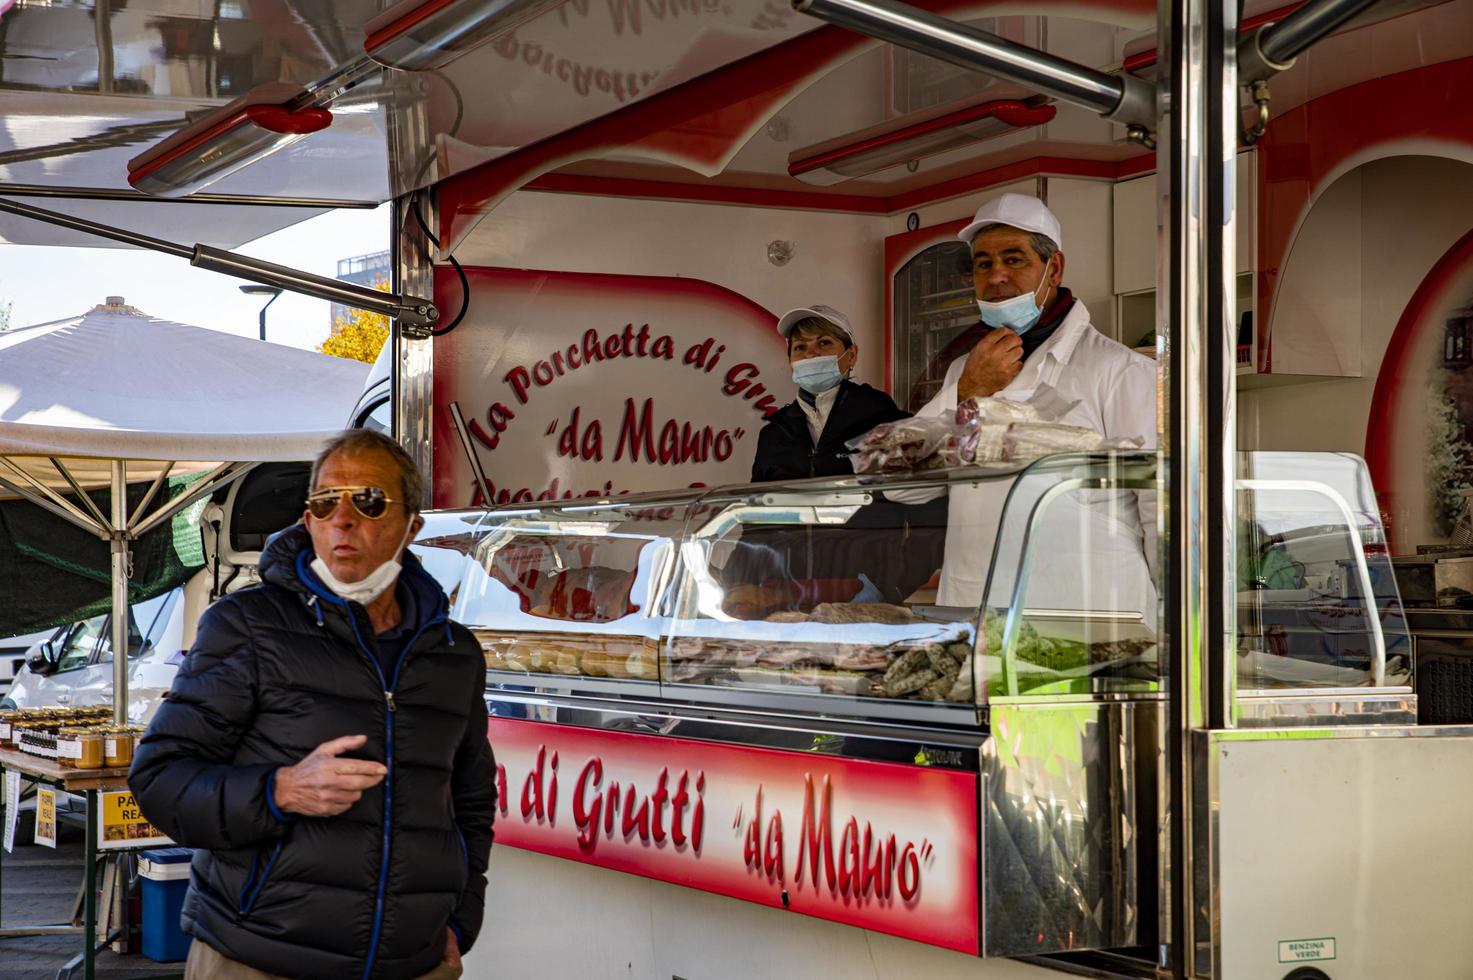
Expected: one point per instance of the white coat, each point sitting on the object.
(1092, 550)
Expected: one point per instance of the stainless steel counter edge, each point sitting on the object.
(880, 741)
(1341, 731)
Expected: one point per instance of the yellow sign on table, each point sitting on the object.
(46, 817)
(123, 825)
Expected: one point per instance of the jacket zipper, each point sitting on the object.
(389, 711)
(246, 900)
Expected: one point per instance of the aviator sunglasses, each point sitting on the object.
(371, 502)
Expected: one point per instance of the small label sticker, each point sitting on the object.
(1306, 950)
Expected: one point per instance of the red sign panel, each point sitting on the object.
(882, 846)
(582, 384)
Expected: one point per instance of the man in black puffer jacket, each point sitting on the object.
(324, 748)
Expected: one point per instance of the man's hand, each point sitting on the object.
(452, 951)
(322, 785)
(991, 366)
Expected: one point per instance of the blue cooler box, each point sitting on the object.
(165, 874)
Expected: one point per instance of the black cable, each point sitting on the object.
(459, 100)
(465, 284)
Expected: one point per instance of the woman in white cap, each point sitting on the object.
(806, 437)
(788, 567)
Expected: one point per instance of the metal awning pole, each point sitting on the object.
(1273, 47)
(120, 542)
(1124, 98)
(43, 496)
(410, 311)
(1195, 299)
(221, 476)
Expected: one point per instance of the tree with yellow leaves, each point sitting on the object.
(358, 335)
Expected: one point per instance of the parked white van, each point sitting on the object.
(13, 653)
(73, 666)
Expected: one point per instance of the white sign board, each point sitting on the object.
(586, 385)
(1300, 950)
(12, 807)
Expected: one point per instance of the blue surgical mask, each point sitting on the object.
(816, 375)
(1018, 313)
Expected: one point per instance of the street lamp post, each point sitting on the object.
(272, 291)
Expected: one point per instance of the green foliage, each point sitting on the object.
(1449, 455)
(360, 335)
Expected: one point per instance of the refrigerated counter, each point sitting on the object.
(753, 691)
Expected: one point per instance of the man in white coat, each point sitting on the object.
(1093, 548)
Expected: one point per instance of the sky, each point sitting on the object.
(53, 283)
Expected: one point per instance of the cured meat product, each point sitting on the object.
(642, 665)
(905, 445)
(975, 411)
(790, 655)
(984, 443)
(937, 689)
(692, 673)
(961, 688)
(685, 648)
(909, 662)
(828, 681)
(1029, 440)
(942, 662)
(862, 612)
(861, 658)
(904, 684)
(754, 601)
(846, 682)
(637, 663)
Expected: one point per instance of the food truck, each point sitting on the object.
(1200, 711)
(736, 731)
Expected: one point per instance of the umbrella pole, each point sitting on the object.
(119, 537)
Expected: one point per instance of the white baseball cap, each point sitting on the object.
(792, 318)
(1022, 211)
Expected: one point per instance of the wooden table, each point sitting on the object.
(88, 783)
(70, 780)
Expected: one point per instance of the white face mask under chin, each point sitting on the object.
(370, 587)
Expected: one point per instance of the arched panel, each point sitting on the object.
(1418, 442)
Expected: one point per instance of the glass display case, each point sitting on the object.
(920, 596)
(862, 592)
(1319, 610)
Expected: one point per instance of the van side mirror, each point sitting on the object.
(41, 663)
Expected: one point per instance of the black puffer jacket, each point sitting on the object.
(277, 670)
(785, 449)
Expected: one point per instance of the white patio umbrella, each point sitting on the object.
(114, 394)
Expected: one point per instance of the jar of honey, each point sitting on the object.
(117, 748)
(68, 747)
(7, 725)
(91, 752)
